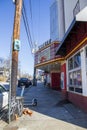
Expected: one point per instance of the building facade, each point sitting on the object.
(65, 58)
(46, 60)
(74, 68)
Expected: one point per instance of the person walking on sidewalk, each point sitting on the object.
(45, 81)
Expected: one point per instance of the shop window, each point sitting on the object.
(75, 81)
(74, 73)
(71, 88)
(70, 64)
(74, 62)
(79, 78)
(71, 78)
(86, 57)
(75, 78)
(77, 60)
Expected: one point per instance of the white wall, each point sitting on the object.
(83, 3)
(69, 6)
(61, 16)
(84, 76)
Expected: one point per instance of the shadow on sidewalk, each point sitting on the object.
(50, 103)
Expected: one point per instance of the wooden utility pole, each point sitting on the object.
(15, 46)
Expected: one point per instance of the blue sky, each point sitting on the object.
(40, 23)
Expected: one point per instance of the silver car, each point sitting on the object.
(3, 97)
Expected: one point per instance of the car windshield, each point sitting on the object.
(24, 79)
(2, 89)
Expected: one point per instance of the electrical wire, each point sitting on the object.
(25, 19)
(26, 30)
(27, 22)
(30, 6)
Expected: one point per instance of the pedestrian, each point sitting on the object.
(45, 81)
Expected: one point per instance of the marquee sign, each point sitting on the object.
(44, 55)
(45, 44)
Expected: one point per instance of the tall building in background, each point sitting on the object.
(62, 13)
(57, 25)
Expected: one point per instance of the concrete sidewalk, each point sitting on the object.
(51, 113)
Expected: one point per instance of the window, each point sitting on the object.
(71, 78)
(86, 57)
(77, 60)
(74, 73)
(70, 64)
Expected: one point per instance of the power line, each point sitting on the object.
(26, 30)
(30, 8)
(25, 19)
(30, 5)
(27, 22)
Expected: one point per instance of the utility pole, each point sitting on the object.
(15, 46)
(14, 61)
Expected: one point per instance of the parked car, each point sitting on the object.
(24, 82)
(3, 97)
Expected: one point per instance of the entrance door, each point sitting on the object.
(55, 81)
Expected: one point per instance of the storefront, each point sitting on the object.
(46, 60)
(74, 68)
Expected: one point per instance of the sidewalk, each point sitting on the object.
(50, 113)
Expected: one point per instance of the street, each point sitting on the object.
(50, 113)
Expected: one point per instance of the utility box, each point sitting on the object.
(16, 108)
(19, 101)
(16, 45)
